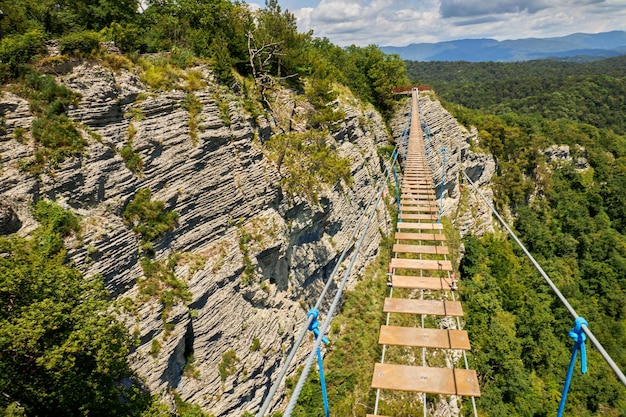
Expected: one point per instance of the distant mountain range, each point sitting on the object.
(578, 47)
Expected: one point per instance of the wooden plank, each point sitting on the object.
(420, 198)
(466, 382)
(459, 339)
(415, 209)
(437, 237)
(417, 179)
(453, 308)
(420, 194)
(419, 191)
(421, 264)
(412, 336)
(417, 186)
(424, 283)
(425, 249)
(414, 379)
(419, 203)
(419, 226)
(408, 306)
(445, 381)
(428, 307)
(423, 337)
(418, 216)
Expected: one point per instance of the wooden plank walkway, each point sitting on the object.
(419, 253)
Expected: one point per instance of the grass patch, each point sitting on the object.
(132, 159)
(194, 106)
(56, 136)
(160, 282)
(228, 364)
(223, 108)
(256, 345)
(148, 217)
(248, 267)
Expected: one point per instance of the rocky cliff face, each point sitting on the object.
(222, 349)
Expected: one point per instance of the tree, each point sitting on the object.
(61, 352)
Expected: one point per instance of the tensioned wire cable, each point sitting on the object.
(307, 367)
(274, 388)
(560, 296)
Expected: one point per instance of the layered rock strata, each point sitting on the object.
(223, 348)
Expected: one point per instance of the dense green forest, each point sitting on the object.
(61, 350)
(572, 219)
(593, 93)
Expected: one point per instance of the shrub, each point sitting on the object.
(80, 43)
(227, 365)
(155, 348)
(55, 218)
(161, 281)
(131, 158)
(59, 136)
(19, 49)
(182, 58)
(149, 218)
(128, 37)
(309, 161)
(45, 95)
(159, 74)
(194, 106)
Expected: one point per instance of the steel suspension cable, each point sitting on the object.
(274, 388)
(561, 297)
(307, 367)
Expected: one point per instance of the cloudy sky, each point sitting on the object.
(398, 23)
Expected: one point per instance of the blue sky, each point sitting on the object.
(400, 22)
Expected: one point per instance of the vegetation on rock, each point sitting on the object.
(309, 163)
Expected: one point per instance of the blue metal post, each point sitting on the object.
(443, 177)
(395, 174)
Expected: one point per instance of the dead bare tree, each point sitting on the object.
(262, 56)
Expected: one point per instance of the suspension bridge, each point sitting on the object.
(422, 285)
(420, 266)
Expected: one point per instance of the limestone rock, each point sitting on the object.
(9, 221)
(253, 259)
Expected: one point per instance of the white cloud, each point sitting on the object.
(400, 22)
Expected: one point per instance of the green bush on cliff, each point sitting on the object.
(80, 43)
(309, 163)
(19, 49)
(149, 218)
